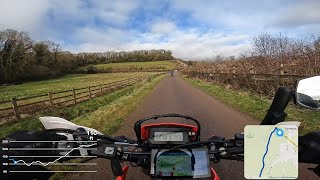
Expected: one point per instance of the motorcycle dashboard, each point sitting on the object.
(172, 136)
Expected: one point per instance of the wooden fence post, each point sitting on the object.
(281, 69)
(251, 70)
(74, 96)
(15, 108)
(110, 87)
(50, 99)
(89, 91)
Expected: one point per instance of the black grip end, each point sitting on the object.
(116, 166)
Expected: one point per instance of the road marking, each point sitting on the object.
(291, 141)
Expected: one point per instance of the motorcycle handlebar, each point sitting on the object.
(137, 157)
(281, 99)
(230, 150)
(235, 150)
(276, 112)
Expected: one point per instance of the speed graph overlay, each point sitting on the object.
(271, 152)
(41, 160)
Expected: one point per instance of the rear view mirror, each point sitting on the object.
(308, 93)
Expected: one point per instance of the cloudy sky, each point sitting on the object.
(191, 29)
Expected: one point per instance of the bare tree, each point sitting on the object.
(54, 48)
(16, 48)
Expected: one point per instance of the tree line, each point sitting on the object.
(269, 45)
(22, 58)
(269, 53)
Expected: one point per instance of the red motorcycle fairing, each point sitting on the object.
(125, 171)
(145, 129)
(214, 175)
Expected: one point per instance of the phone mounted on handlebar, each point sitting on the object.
(183, 163)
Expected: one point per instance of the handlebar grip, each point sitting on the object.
(235, 150)
(276, 111)
(116, 166)
(309, 148)
(281, 99)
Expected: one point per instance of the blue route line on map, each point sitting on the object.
(267, 148)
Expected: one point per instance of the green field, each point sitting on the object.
(105, 113)
(256, 106)
(135, 66)
(61, 84)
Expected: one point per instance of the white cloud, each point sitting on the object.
(35, 16)
(22, 15)
(186, 44)
(116, 11)
(87, 34)
(300, 15)
(163, 27)
(198, 45)
(228, 14)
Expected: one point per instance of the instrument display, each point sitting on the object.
(168, 136)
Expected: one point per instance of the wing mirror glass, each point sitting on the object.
(308, 93)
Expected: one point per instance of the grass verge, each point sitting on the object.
(257, 107)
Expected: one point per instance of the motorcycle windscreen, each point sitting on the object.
(180, 163)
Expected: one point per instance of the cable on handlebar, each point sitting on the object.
(191, 144)
(136, 165)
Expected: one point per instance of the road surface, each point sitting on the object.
(173, 95)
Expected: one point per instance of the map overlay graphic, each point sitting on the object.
(271, 152)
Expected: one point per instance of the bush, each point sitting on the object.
(91, 69)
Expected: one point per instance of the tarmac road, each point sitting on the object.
(173, 95)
